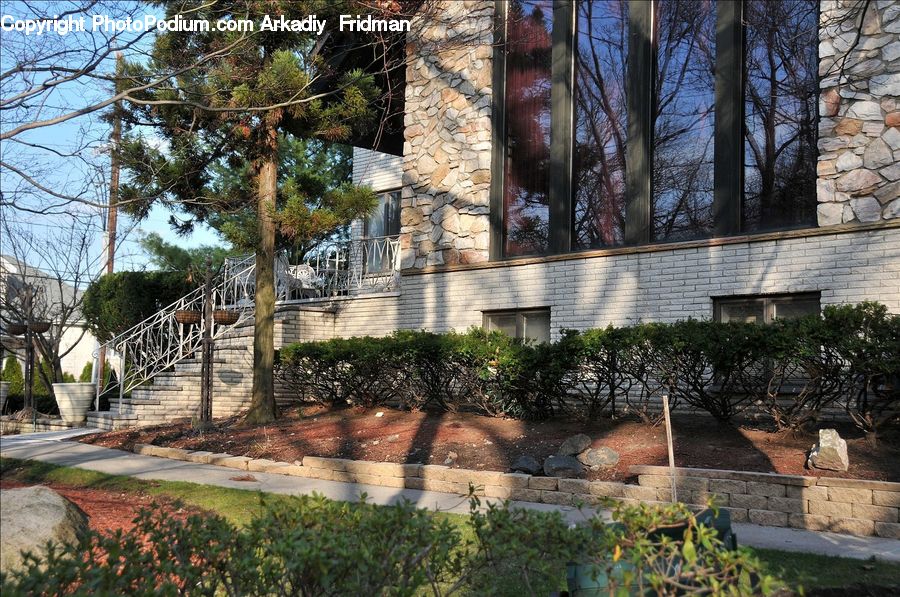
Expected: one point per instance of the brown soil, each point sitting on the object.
(109, 511)
(493, 444)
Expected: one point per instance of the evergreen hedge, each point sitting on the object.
(792, 370)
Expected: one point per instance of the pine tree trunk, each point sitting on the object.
(262, 405)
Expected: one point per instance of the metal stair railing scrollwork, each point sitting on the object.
(142, 352)
(330, 270)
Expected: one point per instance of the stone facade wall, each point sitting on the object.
(659, 285)
(447, 148)
(859, 130)
(849, 506)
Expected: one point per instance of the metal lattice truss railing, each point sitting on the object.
(332, 270)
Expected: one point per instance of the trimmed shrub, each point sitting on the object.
(116, 302)
(792, 370)
(12, 372)
(87, 373)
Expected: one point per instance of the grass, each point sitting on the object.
(814, 571)
(240, 506)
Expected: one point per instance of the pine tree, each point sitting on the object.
(236, 110)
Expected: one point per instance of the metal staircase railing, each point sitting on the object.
(142, 352)
(159, 342)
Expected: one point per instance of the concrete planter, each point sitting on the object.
(74, 400)
(4, 392)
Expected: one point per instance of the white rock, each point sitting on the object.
(865, 110)
(829, 214)
(848, 161)
(866, 209)
(32, 516)
(892, 138)
(878, 154)
(892, 210)
(892, 172)
(885, 84)
(857, 180)
(830, 452)
(824, 190)
(891, 51)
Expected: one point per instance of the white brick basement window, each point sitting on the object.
(525, 324)
(766, 308)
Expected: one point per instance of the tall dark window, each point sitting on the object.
(601, 124)
(780, 103)
(526, 211)
(683, 126)
(385, 220)
(671, 120)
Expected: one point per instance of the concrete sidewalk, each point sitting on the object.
(56, 448)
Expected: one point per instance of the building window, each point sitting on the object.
(601, 124)
(766, 308)
(385, 220)
(532, 325)
(526, 211)
(780, 106)
(683, 127)
(671, 120)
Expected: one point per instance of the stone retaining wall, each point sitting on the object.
(849, 506)
(846, 506)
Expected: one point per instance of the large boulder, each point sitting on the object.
(829, 453)
(32, 516)
(566, 467)
(574, 445)
(526, 464)
(602, 457)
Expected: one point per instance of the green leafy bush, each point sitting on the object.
(12, 372)
(792, 371)
(313, 546)
(115, 302)
(87, 373)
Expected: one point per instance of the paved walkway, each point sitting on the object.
(56, 448)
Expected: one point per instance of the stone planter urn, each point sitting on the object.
(4, 392)
(74, 400)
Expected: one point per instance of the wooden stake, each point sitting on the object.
(665, 402)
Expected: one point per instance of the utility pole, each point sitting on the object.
(112, 212)
(206, 366)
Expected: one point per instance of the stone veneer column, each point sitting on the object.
(447, 149)
(859, 130)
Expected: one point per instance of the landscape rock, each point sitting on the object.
(31, 516)
(574, 445)
(566, 467)
(451, 458)
(526, 464)
(830, 453)
(601, 457)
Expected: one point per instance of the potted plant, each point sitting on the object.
(187, 317)
(74, 400)
(225, 317)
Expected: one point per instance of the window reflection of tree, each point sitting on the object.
(780, 113)
(600, 124)
(528, 83)
(683, 119)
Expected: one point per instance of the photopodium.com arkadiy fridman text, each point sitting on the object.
(106, 24)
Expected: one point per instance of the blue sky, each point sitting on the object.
(89, 173)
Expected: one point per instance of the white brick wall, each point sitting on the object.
(664, 285)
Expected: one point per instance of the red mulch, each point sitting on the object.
(108, 510)
(493, 444)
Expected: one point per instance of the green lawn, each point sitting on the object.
(240, 506)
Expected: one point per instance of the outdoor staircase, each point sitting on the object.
(157, 362)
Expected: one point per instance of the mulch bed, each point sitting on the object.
(493, 444)
(109, 511)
